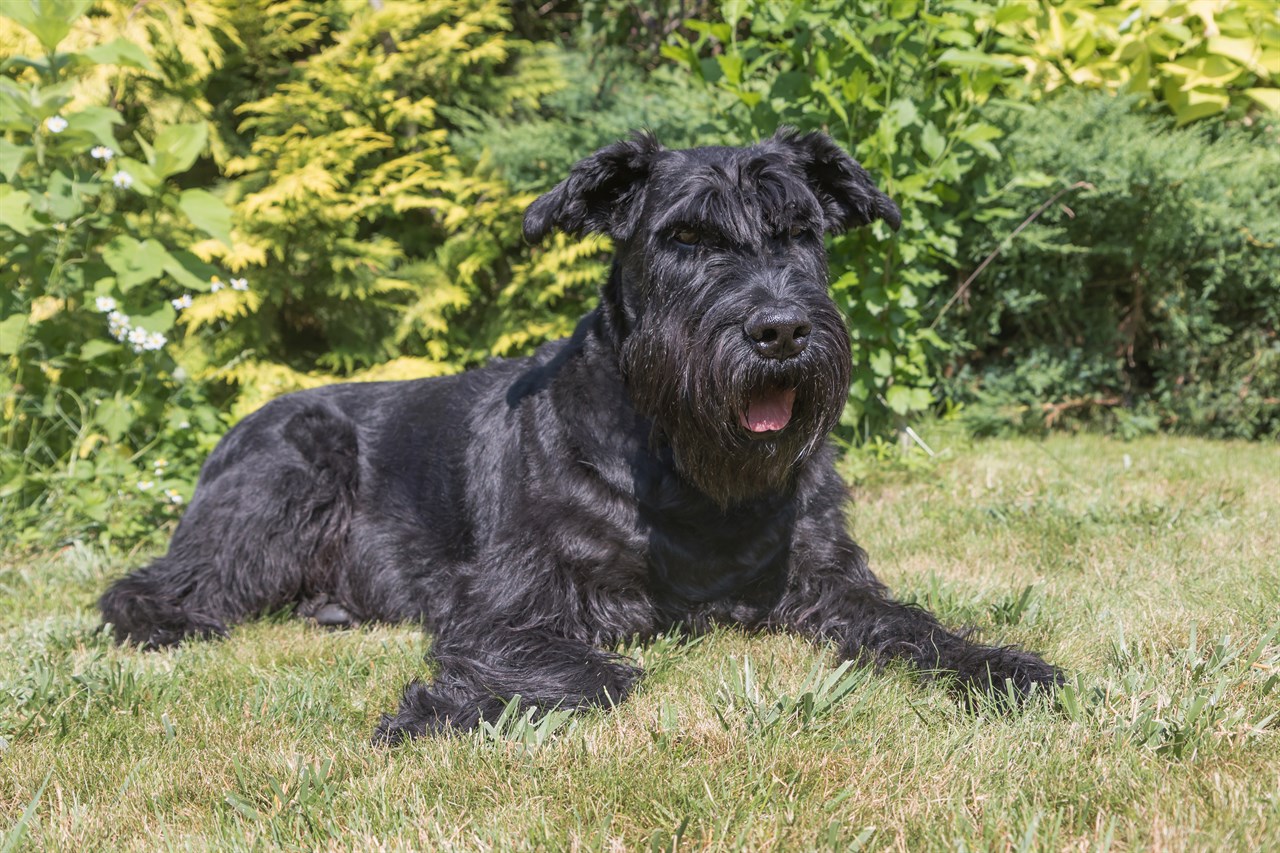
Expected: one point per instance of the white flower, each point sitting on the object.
(160, 464)
(173, 496)
(215, 284)
(105, 304)
(144, 485)
(137, 337)
(55, 124)
(118, 325)
(185, 425)
(239, 284)
(154, 341)
(101, 152)
(122, 179)
(183, 301)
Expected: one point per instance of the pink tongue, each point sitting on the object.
(769, 410)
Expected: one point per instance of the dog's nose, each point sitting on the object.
(778, 332)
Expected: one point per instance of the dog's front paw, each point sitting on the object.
(1010, 675)
(426, 709)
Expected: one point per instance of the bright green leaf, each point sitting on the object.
(882, 363)
(11, 157)
(120, 52)
(1267, 98)
(207, 212)
(11, 330)
(114, 416)
(731, 67)
(48, 20)
(931, 141)
(98, 347)
(189, 271)
(15, 210)
(177, 147)
(96, 122)
(160, 320)
(973, 59)
(134, 262)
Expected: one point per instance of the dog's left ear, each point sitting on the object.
(846, 192)
(603, 194)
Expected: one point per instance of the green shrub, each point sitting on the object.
(101, 422)
(1150, 298)
(1196, 59)
(534, 149)
(358, 244)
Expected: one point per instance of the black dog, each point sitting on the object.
(665, 466)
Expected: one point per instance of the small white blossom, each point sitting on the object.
(101, 152)
(105, 304)
(118, 325)
(239, 284)
(122, 179)
(173, 496)
(145, 485)
(185, 425)
(55, 124)
(183, 301)
(160, 464)
(215, 284)
(143, 340)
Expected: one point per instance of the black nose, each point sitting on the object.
(778, 332)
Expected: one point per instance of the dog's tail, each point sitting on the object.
(147, 607)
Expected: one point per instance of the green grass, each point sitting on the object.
(1150, 570)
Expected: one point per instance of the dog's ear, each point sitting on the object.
(603, 194)
(846, 192)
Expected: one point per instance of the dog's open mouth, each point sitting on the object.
(768, 410)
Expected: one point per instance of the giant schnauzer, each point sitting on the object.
(667, 465)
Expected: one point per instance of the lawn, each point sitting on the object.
(1148, 569)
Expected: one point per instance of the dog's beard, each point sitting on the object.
(739, 425)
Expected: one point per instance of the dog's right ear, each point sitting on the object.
(603, 194)
(848, 196)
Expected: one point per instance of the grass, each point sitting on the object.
(1148, 569)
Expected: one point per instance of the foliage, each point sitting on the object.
(381, 254)
(912, 88)
(1199, 58)
(373, 251)
(534, 151)
(1154, 293)
(101, 421)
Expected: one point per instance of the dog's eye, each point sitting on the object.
(687, 237)
(797, 231)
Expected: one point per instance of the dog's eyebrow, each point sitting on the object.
(714, 210)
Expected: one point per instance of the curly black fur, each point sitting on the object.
(538, 510)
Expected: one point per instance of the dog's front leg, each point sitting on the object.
(478, 677)
(832, 596)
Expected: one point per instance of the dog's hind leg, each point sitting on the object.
(267, 528)
(477, 679)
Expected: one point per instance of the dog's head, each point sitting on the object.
(728, 337)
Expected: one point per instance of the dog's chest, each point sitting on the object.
(700, 554)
